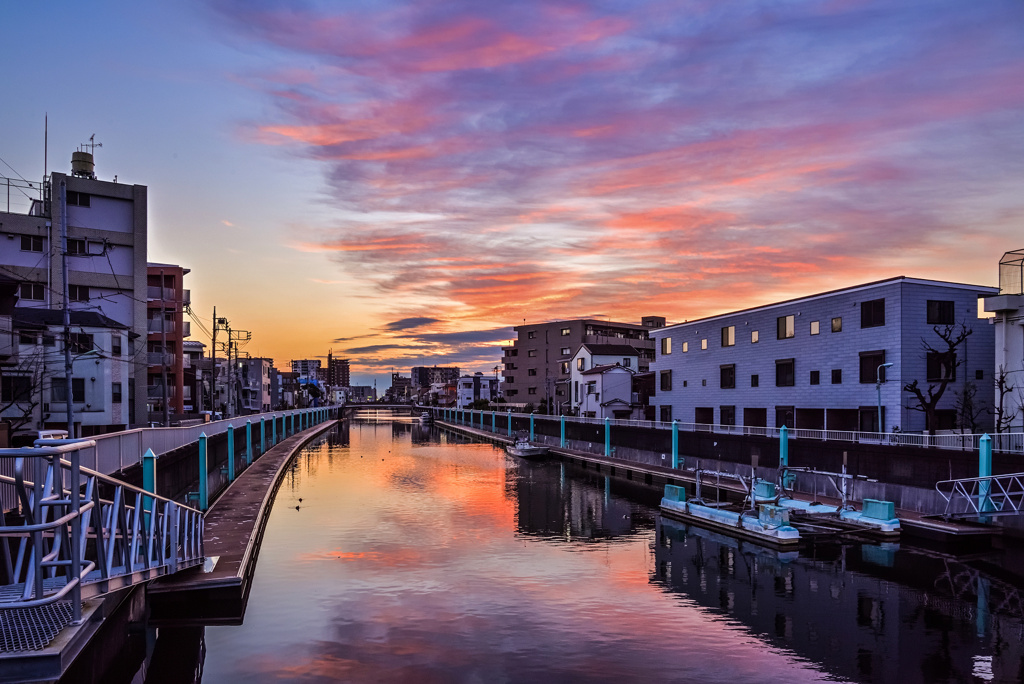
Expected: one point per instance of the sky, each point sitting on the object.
(404, 182)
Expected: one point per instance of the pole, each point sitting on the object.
(63, 207)
(204, 501)
(561, 442)
(878, 389)
(985, 470)
(675, 445)
(213, 366)
(248, 442)
(231, 452)
(531, 426)
(607, 436)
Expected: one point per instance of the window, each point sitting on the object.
(531, 335)
(666, 345)
(755, 380)
(729, 336)
(78, 293)
(666, 380)
(704, 343)
(566, 351)
(939, 312)
(666, 414)
(565, 368)
(532, 352)
(754, 337)
(58, 391)
(627, 362)
(686, 347)
(513, 352)
(76, 246)
(532, 390)
(815, 377)
(728, 415)
(32, 291)
(81, 343)
(727, 376)
(31, 243)
(510, 380)
(941, 366)
(815, 329)
(837, 376)
(115, 393)
(979, 375)
(115, 345)
(79, 199)
(785, 373)
(869, 363)
(581, 364)
(684, 383)
(49, 340)
(27, 338)
(785, 327)
(531, 371)
(704, 415)
(784, 416)
(837, 324)
(566, 331)
(78, 390)
(15, 388)
(872, 314)
(512, 392)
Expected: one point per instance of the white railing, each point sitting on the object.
(1001, 442)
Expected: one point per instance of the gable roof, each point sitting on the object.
(28, 317)
(604, 368)
(611, 349)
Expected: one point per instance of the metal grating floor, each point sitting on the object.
(32, 629)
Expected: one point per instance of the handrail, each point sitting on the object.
(990, 496)
(92, 545)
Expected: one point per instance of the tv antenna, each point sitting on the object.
(92, 145)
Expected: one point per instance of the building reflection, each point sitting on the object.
(862, 612)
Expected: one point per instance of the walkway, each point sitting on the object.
(233, 532)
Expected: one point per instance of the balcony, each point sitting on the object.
(186, 329)
(160, 294)
(186, 297)
(157, 391)
(159, 359)
(153, 325)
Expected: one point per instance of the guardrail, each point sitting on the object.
(85, 534)
(979, 497)
(1001, 442)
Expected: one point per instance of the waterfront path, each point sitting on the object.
(234, 529)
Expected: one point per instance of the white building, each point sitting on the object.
(254, 383)
(107, 240)
(474, 388)
(588, 356)
(813, 362)
(1008, 307)
(604, 392)
(308, 369)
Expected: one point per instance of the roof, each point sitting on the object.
(615, 401)
(26, 317)
(599, 321)
(611, 349)
(604, 368)
(980, 289)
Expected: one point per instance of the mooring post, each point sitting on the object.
(231, 453)
(204, 500)
(561, 441)
(531, 426)
(607, 436)
(985, 470)
(675, 445)
(248, 442)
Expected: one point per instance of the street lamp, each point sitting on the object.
(878, 390)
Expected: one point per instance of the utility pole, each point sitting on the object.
(63, 208)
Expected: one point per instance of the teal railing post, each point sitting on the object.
(607, 437)
(509, 422)
(985, 470)
(494, 425)
(263, 435)
(273, 430)
(148, 477)
(204, 500)
(784, 454)
(561, 442)
(231, 453)
(531, 426)
(675, 444)
(248, 442)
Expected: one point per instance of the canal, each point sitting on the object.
(401, 553)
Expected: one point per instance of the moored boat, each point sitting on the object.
(524, 449)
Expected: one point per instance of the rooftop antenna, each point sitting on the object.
(82, 162)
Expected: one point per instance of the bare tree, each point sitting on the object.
(943, 354)
(22, 391)
(968, 409)
(1005, 413)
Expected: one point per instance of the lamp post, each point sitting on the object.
(878, 390)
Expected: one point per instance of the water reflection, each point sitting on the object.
(417, 556)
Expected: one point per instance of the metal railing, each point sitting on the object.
(1001, 442)
(84, 534)
(975, 497)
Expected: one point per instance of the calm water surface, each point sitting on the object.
(396, 553)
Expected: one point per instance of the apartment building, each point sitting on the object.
(307, 369)
(197, 370)
(813, 362)
(474, 388)
(166, 299)
(534, 366)
(1008, 307)
(425, 376)
(338, 372)
(107, 245)
(254, 385)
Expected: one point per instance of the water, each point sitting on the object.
(415, 557)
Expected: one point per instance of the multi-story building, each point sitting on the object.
(362, 394)
(401, 388)
(338, 372)
(425, 376)
(166, 300)
(1008, 307)
(600, 393)
(107, 240)
(198, 374)
(476, 387)
(813, 362)
(308, 369)
(534, 365)
(254, 383)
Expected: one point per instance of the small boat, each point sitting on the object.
(523, 449)
(426, 417)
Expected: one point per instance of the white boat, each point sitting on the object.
(426, 417)
(523, 449)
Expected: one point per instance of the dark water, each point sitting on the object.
(414, 557)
